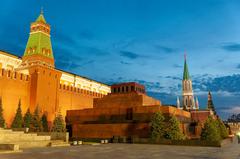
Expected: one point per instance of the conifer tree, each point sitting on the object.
(27, 119)
(173, 131)
(210, 131)
(58, 123)
(2, 120)
(44, 123)
(18, 119)
(157, 126)
(36, 124)
(222, 128)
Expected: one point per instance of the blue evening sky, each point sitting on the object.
(139, 40)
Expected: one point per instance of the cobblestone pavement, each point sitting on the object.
(128, 151)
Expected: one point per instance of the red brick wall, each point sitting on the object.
(110, 130)
(12, 88)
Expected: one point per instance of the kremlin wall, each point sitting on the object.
(35, 81)
(92, 109)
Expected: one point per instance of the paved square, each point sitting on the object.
(128, 151)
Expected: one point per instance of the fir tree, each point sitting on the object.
(2, 121)
(58, 123)
(157, 126)
(222, 128)
(18, 119)
(173, 131)
(27, 119)
(44, 123)
(36, 124)
(210, 131)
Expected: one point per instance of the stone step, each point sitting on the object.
(24, 138)
(52, 144)
(30, 144)
(5, 131)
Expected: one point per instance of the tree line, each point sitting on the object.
(169, 128)
(35, 122)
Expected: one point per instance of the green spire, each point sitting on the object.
(41, 17)
(186, 75)
(39, 42)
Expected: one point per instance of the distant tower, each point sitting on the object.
(196, 103)
(210, 105)
(178, 103)
(187, 92)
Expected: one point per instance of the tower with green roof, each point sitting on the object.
(38, 61)
(39, 48)
(187, 92)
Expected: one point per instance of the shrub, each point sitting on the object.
(36, 124)
(18, 119)
(2, 120)
(173, 131)
(27, 119)
(58, 123)
(44, 123)
(157, 126)
(222, 128)
(210, 131)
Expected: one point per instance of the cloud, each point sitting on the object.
(238, 66)
(165, 49)
(66, 60)
(125, 63)
(231, 110)
(86, 34)
(128, 54)
(218, 84)
(232, 47)
(60, 38)
(94, 51)
(177, 66)
(87, 63)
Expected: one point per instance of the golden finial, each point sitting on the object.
(41, 10)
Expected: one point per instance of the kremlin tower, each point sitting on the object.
(38, 61)
(210, 105)
(187, 92)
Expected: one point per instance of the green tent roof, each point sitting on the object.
(41, 18)
(186, 75)
(39, 41)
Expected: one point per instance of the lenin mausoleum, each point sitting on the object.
(92, 109)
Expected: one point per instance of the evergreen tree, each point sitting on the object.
(2, 121)
(157, 126)
(18, 119)
(173, 131)
(27, 119)
(58, 123)
(210, 131)
(36, 124)
(44, 123)
(222, 128)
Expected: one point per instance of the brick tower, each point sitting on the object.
(187, 92)
(38, 60)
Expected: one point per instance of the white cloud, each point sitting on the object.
(232, 110)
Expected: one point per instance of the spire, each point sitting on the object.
(210, 105)
(197, 103)
(41, 17)
(178, 103)
(186, 75)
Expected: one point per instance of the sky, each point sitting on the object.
(139, 40)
